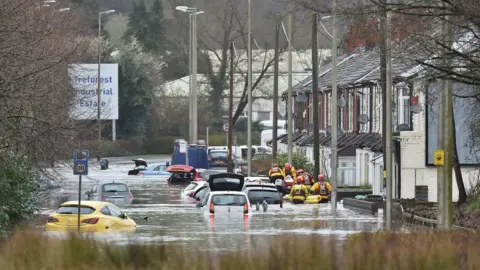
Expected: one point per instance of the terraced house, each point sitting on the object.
(360, 143)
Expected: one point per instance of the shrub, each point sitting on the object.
(19, 183)
(427, 250)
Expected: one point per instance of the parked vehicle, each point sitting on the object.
(140, 165)
(218, 158)
(181, 174)
(114, 192)
(225, 197)
(260, 194)
(95, 216)
(156, 170)
(197, 154)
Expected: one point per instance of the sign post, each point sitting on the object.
(80, 167)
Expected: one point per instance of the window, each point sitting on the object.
(229, 199)
(261, 194)
(73, 209)
(227, 180)
(403, 106)
(115, 187)
(105, 211)
(114, 211)
(191, 186)
(219, 154)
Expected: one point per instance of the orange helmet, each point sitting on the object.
(299, 171)
(288, 166)
(321, 177)
(299, 180)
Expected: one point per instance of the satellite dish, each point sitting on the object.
(403, 127)
(302, 98)
(416, 108)
(341, 102)
(363, 119)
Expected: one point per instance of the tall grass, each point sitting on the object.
(418, 250)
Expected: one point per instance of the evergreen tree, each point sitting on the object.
(147, 28)
(138, 23)
(157, 38)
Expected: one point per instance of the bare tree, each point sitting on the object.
(37, 45)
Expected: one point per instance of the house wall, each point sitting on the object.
(413, 169)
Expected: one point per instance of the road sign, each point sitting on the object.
(438, 157)
(225, 127)
(80, 162)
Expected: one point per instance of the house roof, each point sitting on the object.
(359, 67)
(361, 140)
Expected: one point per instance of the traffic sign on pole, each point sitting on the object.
(80, 162)
(225, 127)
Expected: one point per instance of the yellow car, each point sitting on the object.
(95, 216)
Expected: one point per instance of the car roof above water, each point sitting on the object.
(227, 193)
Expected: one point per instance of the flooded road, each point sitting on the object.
(162, 215)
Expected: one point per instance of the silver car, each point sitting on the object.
(115, 192)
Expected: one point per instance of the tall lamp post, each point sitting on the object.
(249, 86)
(193, 70)
(99, 93)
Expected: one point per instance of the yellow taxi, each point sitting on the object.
(95, 216)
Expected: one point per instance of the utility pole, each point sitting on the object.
(383, 81)
(99, 94)
(249, 86)
(230, 110)
(194, 79)
(334, 156)
(316, 139)
(289, 98)
(440, 146)
(388, 120)
(275, 89)
(448, 132)
(190, 69)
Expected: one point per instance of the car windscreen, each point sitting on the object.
(115, 187)
(218, 154)
(73, 209)
(261, 194)
(191, 186)
(229, 199)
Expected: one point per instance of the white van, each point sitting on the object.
(267, 135)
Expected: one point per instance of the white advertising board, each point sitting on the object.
(84, 78)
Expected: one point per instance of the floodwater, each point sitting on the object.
(162, 215)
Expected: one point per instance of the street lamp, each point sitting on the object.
(193, 71)
(98, 75)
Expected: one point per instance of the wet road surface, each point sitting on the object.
(171, 218)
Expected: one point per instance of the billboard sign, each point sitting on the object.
(84, 78)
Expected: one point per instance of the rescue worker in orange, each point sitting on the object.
(321, 187)
(275, 173)
(299, 192)
(289, 170)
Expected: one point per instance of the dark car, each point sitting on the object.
(259, 194)
(218, 158)
(115, 192)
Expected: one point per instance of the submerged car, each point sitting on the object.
(156, 170)
(225, 197)
(95, 216)
(193, 188)
(140, 165)
(260, 194)
(114, 192)
(181, 174)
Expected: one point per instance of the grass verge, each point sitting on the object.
(418, 250)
